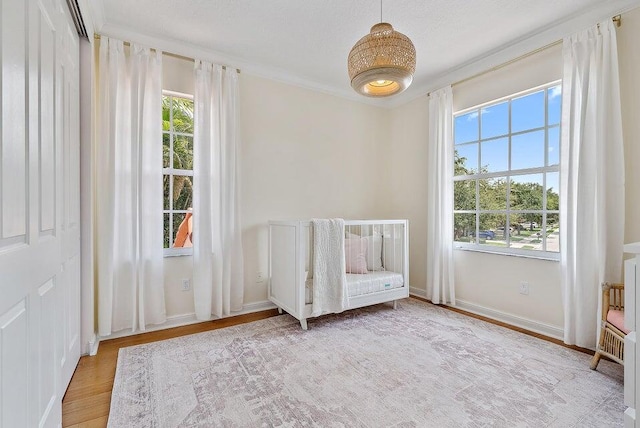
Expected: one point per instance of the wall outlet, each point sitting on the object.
(260, 276)
(186, 284)
(524, 288)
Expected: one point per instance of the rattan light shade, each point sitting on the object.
(382, 63)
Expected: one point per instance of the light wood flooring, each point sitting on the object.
(86, 403)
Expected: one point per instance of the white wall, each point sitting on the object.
(489, 282)
(304, 154)
(629, 60)
(405, 184)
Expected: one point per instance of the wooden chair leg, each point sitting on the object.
(596, 357)
(595, 360)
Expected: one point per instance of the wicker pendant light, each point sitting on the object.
(382, 63)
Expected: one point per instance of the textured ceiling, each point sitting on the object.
(309, 40)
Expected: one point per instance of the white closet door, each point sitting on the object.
(39, 267)
(68, 127)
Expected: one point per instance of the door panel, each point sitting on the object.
(13, 355)
(44, 309)
(70, 225)
(39, 230)
(14, 144)
(47, 152)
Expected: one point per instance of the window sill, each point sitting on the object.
(552, 257)
(177, 252)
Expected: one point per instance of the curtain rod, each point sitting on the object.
(617, 20)
(171, 54)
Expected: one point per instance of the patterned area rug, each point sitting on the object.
(417, 366)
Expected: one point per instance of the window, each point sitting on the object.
(177, 170)
(507, 174)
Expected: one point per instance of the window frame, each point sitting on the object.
(507, 175)
(171, 172)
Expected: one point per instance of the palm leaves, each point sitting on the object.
(177, 156)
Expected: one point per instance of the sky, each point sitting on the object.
(492, 122)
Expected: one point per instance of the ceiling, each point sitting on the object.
(306, 42)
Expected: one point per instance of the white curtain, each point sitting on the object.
(129, 188)
(592, 178)
(440, 281)
(218, 279)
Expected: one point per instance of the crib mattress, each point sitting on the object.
(359, 284)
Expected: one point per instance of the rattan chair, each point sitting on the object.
(611, 343)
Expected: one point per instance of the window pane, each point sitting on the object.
(182, 230)
(466, 127)
(527, 233)
(553, 192)
(166, 184)
(182, 152)
(492, 229)
(167, 232)
(527, 112)
(553, 154)
(527, 150)
(499, 222)
(526, 192)
(166, 106)
(553, 232)
(493, 194)
(182, 192)
(554, 104)
(183, 115)
(494, 155)
(464, 195)
(464, 225)
(166, 150)
(177, 221)
(466, 159)
(495, 120)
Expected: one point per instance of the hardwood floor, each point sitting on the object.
(86, 402)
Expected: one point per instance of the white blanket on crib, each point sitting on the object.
(329, 271)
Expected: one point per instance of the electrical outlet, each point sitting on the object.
(260, 276)
(186, 284)
(524, 288)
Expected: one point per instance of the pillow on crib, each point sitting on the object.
(374, 250)
(355, 255)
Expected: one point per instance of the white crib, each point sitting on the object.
(290, 255)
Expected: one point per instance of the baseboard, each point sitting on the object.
(419, 292)
(256, 307)
(514, 320)
(190, 318)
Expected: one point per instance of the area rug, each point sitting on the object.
(416, 366)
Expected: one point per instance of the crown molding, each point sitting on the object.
(553, 32)
(93, 15)
(267, 72)
(528, 43)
